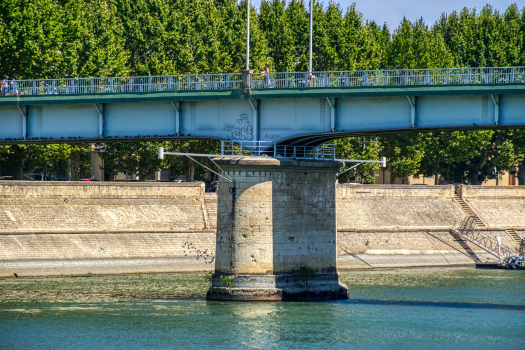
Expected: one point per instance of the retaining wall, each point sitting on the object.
(498, 207)
(124, 227)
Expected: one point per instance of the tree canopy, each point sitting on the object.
(89, 38)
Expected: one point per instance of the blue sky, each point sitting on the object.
(392, 12)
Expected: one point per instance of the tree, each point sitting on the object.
(136, 158)
(358, 148)
(404, 153)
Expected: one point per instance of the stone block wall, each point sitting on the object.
(385, 207)
(498, 207)
(60, 207)
(284, 217)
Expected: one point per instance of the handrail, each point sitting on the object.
(281, 80)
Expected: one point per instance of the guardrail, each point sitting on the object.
(285, 80)
(270, 149)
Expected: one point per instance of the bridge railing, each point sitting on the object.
(270, 149)
(127, 84)
(399, 77)
(285, 80)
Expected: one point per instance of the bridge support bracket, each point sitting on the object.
(496, 100)
(333, 106)
(412, 100)
(101, 121)
(255, 106)
(176, 107)
(24, 121)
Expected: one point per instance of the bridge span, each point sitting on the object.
(285, 108)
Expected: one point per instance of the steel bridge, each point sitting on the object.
(285, 108)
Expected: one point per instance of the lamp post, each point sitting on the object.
(248, 36)
(247, 74)
(311, 26)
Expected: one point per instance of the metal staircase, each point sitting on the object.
(514, 235)
(467, 230)
(464, 245)
(468, 210)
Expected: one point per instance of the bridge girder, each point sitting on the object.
(285, 116)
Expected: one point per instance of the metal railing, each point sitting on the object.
(468, 231)
(285, 80)
(270, 149)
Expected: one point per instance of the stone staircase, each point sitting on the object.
(514, 235)
(468, 210)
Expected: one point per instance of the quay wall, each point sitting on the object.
(66, 228)
(502, 207)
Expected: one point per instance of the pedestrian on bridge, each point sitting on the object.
(14, 85)
(266, 76)
(5, 85)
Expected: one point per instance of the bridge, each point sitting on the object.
(284, 108)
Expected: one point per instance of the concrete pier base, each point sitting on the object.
(276, 216)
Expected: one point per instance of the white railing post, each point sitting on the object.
(386, 78)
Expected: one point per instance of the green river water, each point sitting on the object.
(429, 308)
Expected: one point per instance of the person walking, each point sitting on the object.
(266, 76)
(14, 85)
(5, 85)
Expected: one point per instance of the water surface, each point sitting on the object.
(388, 309)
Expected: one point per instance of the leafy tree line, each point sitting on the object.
(87, 38)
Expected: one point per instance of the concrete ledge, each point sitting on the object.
(277, 164)
(244, 294)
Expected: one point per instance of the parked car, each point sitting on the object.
(6, 178)
(179, 180)
(61, 179)
(88, 179)
(41, 177)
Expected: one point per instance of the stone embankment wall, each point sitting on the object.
(498, 207)
(77, 228)
(103, 225)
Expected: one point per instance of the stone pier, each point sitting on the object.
(277, 216)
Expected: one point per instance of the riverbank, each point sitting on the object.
(77, 228)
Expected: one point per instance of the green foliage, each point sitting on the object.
(208, 276)
(83, 38)
(137, 158)
(21, 160)
(358, 148)
(404, 153)
(306, 274)
(227, 281)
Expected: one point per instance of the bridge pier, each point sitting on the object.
(277, 216)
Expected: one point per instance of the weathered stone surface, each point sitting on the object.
(276, 216)
(498, 207)
(396, 206)
(29, 206)
(143, 227)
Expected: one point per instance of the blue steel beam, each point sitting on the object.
(294, 115)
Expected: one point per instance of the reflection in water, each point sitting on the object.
(409, 309)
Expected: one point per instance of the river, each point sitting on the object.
(431, 308)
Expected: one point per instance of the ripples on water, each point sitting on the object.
(401, 308)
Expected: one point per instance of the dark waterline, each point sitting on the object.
(388, 309)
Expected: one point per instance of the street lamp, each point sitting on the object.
(311, 25)
(248, 36)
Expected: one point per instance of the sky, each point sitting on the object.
(392, 12)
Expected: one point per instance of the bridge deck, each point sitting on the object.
(286, 108)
